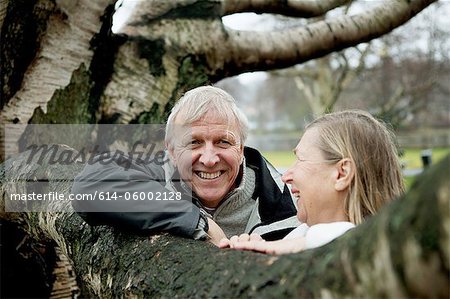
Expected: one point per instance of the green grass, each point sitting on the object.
(411, 157)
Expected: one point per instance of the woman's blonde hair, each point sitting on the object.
(357, 135)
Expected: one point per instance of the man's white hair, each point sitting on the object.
(197, 102)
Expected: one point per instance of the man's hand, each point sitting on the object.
(215, 232)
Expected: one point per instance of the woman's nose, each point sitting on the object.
(287, 176)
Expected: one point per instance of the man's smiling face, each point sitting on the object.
(208, 157)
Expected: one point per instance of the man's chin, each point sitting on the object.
(210, 200)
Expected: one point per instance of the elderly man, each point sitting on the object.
(227, 188)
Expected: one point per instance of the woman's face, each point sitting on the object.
(313, 181)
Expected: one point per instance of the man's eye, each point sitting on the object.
(224, 143)
(193, 143)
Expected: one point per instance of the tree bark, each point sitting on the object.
(401, 252)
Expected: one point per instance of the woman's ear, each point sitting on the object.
(346, 173)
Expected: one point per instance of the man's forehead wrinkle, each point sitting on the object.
(215, 133)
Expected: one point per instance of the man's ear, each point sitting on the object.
(171, 152)
(346, 173)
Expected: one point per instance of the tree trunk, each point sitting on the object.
(401, 252)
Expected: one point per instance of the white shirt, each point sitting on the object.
(320, 234)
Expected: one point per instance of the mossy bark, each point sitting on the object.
(401, 252)
(22, 29)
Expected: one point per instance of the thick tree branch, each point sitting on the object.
(250, 51)
(402, 252)
(242, 51)
(180, 38)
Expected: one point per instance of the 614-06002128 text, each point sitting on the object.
(53, 196)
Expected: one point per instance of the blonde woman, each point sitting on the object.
(347, 168)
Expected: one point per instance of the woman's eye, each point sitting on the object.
(299, 160)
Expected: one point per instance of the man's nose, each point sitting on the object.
(209, 156)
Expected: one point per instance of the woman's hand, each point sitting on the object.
(230, 243)
(256, 243)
